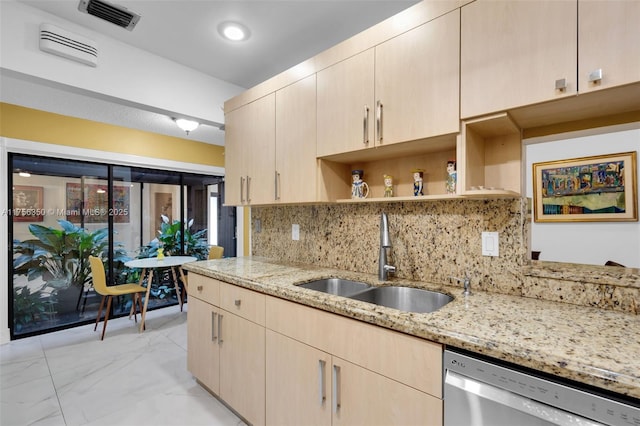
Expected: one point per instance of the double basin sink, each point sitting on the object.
(406, 299)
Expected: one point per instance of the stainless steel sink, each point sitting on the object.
(406, 299)
(336, 286)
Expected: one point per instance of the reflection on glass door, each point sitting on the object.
(58, 222)
(63, 210)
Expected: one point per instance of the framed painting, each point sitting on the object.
(92, 203)
(589, 189)
(28, 204)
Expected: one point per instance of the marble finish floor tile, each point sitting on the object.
(70, 377)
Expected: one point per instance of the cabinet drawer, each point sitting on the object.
(410, 360)
(204, 288)
(245, 303)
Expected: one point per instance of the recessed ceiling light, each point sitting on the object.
(233, 31)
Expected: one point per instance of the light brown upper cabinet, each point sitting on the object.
(295, 175)
(516, 53)
(402, 90)
(346, 105)
(608, 44)
(250, 153)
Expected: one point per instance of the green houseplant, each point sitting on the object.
(60, 257)
(170, 236)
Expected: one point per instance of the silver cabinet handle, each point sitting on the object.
(242, 189)
(561, 84)
(199, 288)
(322, 391)
(379, 120)
(365, 126)
(220, 329)
(213, 326)
(237, 302)
(595, 76)
(277, 186)
(248, 189)
(336, 388)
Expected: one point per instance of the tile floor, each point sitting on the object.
(70, 377)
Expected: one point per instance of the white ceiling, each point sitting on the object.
(283, 34)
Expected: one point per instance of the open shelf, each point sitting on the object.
(397, 160)
(492, 153)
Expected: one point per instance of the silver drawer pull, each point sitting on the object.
(237, 302)
(336, 388)
(365, 127)
(322, 391)
(213, 326)
(595, 76)
(561, 84)
(199, 288)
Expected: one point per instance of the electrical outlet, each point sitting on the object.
(295, 232)
(257, 226)
(490, 244)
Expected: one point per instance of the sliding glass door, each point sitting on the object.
(63, 210)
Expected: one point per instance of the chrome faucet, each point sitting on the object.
(466, 282)
(385, 243)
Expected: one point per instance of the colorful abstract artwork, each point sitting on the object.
(600, 188)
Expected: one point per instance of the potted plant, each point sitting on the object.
(170, 236)
(169, 239)
(60, 257)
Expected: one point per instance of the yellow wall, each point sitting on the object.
(39, 126)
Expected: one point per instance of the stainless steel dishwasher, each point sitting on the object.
(479, 392)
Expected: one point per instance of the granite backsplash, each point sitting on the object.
(434, 240)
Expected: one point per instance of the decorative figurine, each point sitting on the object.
(418, 175)
(359, 188)
(388, 186)
(160, 253)
(452, 177)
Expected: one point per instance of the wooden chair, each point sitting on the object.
(216, 252)
(101, 287)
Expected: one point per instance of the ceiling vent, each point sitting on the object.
(121, 16)
(68, 45)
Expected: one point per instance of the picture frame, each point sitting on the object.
(89, 202)
(28, 203)
(601, 188)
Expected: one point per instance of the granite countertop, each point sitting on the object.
(589, 345)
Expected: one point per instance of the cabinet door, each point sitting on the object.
(298, 383)
(203, 358)
(250, 153)
(346, 105)
(417, 82)
(235, 163)
(513, 52)
(363, 397)
(296, 167)
(608, 40)
(242, 361)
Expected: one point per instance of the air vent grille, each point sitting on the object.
(72, 46)
(118, 15)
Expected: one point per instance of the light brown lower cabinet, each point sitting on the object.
(226, 344)
(308, 386)
(324, 369)
(277, 362)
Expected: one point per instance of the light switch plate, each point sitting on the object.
(295, 232)
(490, 244)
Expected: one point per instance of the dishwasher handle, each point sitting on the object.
(511, 400)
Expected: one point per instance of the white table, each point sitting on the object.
(153, 263)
